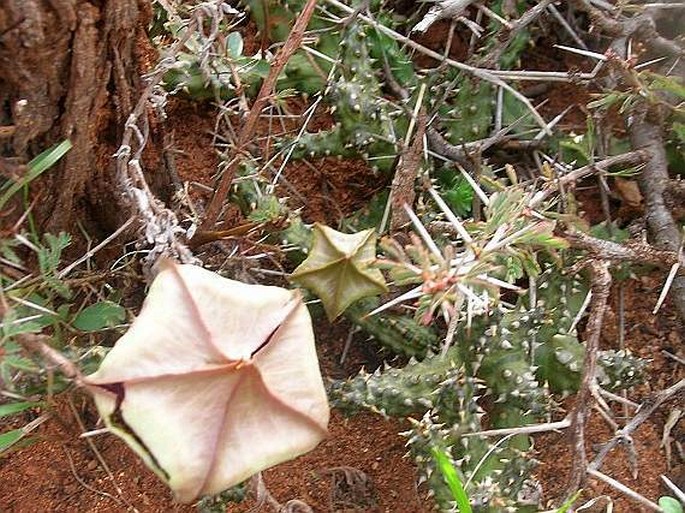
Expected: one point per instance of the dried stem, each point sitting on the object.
(625, 490)
(493, 57)
(246, 134)
(601, 282)
(632, 158)
(37, 345)
(160, 224)
(636, 252)
(645, 410)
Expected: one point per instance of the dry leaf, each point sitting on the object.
(629, 191)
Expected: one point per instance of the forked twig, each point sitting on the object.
(649, 406)
(80, 481)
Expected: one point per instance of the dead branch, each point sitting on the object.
(601, 282)
(648, 406)
(646, 134)
(644, 122)
(641, 26)
(636, 252)
(493, 57)
(444, 9)
(629, 492)
(402, 191)
(246, 134)
(160, 224)
(632, 158)
(37, 344)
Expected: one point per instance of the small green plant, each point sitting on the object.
(670, 505)
(36, 167)
(452, 479)
(33, 304)
(566, 506)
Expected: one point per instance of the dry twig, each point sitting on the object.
(649, 406)
(636, 252)
(601, 282)
(245, 137)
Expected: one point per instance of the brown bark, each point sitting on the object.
(69, 69)
(646, 134)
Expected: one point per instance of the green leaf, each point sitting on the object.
(50, 255)
(10, 438)
(668, 84)
(234, 44)
(24, 319)
(100, 316)
(452, 480)
(567, 505)
(338, 268)
(679, 130)
(12, 408)
(670, 505)
(36, 167)
(20, 363)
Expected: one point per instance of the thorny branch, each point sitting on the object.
(644, 126)
(644, 122)
(630, 252)
(646, 134)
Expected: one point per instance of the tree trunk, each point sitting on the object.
(69, 69)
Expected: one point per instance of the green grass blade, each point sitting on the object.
(10, 438)
(36, 167)
(567, 505)
(12, 408)
(452, 480)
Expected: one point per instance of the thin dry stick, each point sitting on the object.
(649, 406)
(625, 490)
(99, 457)
(622, 334)
(89, 254)
(80, 480)
(632, 158)
(528, 17)
(245, 137)
(601, 281)
(524, 430)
